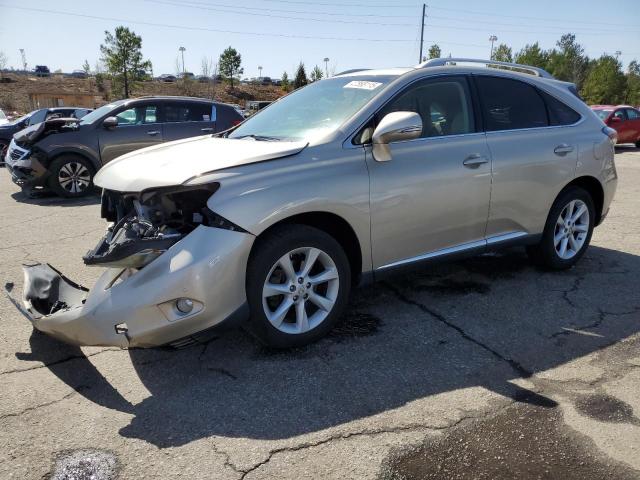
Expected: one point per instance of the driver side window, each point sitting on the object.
(139, 115)
(444, 105)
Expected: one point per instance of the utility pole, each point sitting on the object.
(24, 59)
(618, 53)
(182, 49)
(259, 71)
(424, 8)
(492, 39)
(326, 67)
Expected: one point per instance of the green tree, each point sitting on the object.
(533, 55)
(300, 79)
(605, 82)
(285, 82)
(503, 53)
(230, 64)
(434, 51)
(122, 56)
(316, 74)
(632, 94)
(86, 67)
(568, 62)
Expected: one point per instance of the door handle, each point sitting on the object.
(475, 160)
(153, 132)
(209, 129)
(563, 149)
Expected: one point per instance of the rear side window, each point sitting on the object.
(189, 112)
(559, 113)
(510, 104)
(633, 114)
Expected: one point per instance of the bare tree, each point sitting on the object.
(3, 62)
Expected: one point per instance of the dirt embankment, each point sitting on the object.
(17, 91)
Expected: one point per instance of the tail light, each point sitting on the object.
(611, 133)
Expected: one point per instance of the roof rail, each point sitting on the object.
(353, 70)
(440, 62)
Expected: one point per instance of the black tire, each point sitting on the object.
(638, 144)
(75, 163)
(266, 253)
(4, 146)
(544, 254)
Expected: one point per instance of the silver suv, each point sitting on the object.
(333, 186)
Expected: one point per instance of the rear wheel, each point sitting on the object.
(298, 282)
(71, 176)
(568, 231)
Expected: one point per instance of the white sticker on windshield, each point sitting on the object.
(363, 85)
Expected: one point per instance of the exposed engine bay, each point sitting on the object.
(146, 224)
(34, 133)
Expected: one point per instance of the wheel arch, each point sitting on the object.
(333, 225)
(593, 186)
(77, 152)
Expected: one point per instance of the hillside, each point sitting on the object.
(16, 89)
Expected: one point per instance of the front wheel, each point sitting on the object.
(71, 176)
(4, 146)
(568, 230)
(298, 283)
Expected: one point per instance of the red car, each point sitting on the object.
(624, 119)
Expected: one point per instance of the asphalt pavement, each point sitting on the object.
(482, 368)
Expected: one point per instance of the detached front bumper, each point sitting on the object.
(207, 267)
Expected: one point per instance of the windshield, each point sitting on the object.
(603, 114)
(313, 111)
(98, 113)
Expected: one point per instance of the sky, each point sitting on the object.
(278, 34)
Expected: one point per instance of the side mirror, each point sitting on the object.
(394, 127)
(110, 122)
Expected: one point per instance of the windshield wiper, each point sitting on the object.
(260, 138)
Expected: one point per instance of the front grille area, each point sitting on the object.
(15, 154)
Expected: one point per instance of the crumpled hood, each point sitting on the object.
(176, 162)
(33, 133)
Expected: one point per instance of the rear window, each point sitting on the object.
(189, 112)
(559, 113)
(510, 104)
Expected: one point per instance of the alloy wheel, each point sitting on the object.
(571, 229)
(300, 290)
(74, 177)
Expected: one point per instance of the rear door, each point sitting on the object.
(138, 127)
(534, 151)
(188, 119)
(633, 119)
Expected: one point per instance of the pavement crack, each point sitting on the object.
(46, 404)
(58, 362)
(70, 237)
(516, 366)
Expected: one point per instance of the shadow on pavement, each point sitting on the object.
(50, 199)
(441, 329)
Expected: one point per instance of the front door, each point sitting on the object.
(432, 197)
(138, 127)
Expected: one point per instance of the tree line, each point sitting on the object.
(598, 80)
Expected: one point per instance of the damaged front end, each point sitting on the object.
(163, 251)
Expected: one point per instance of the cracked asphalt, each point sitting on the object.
(483, 368)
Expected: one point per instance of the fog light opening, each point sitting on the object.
(184, 305)
(121, 328)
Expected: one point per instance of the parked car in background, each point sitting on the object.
(42, 71)
(3, 121)
(167, 77)
(79, 74)
(623, 118)
(188, 75)
(204, 79)
(64, 154)
(9, 129)
(253, 106)
(336, 184)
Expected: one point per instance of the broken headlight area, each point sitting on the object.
(147, 224)
(48, 291)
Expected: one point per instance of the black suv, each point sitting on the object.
(9, 129)
(64, 155)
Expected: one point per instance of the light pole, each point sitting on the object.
(492, 39)
(326, 67)
(618, 53)
(182, 49)
(259, 71)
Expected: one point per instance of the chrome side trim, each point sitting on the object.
(505, 237)
(457, 249)
(436, 253)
